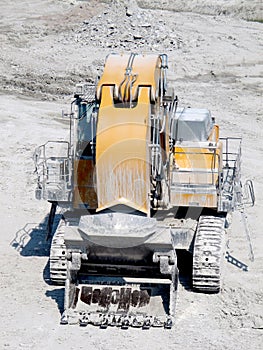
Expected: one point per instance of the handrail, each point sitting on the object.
(213, 170)
(227, 153)
(53, 170)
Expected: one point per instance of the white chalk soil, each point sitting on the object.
(215, 61)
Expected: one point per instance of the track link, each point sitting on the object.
(58, 260)
(208, 253)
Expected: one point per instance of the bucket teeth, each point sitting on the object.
(104, 322)
(125, 323)
(138, 303)
(157, 322)
(137, 323)
(147, 323)
(84, 320)
(168, 323)
(119, 321)
(64, 319)
(96, 319)
(113, 321)
(83, 323)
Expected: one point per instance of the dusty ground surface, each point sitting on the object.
(215, 62)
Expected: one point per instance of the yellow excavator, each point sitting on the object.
(138, 180)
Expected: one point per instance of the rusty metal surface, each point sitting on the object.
(84, 183)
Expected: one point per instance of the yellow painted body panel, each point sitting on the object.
(194, 200)
(196, 166)
(145, 70)
(196, 158)
(214, 136)
(123, 131)
(122, 154)
(123, 171)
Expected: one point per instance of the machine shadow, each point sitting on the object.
(46, 274)
(185, 263)
(31, 240)
(58, 296)
(234, 261)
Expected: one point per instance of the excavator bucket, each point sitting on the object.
(123, 302)
(106, 288)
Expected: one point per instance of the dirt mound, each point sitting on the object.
(128, 28)
(246, 9)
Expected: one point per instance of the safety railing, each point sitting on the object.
(231, 163)
(210, 171)
(53, 167)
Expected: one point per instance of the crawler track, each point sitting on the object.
(208, 252)
(58, 260)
